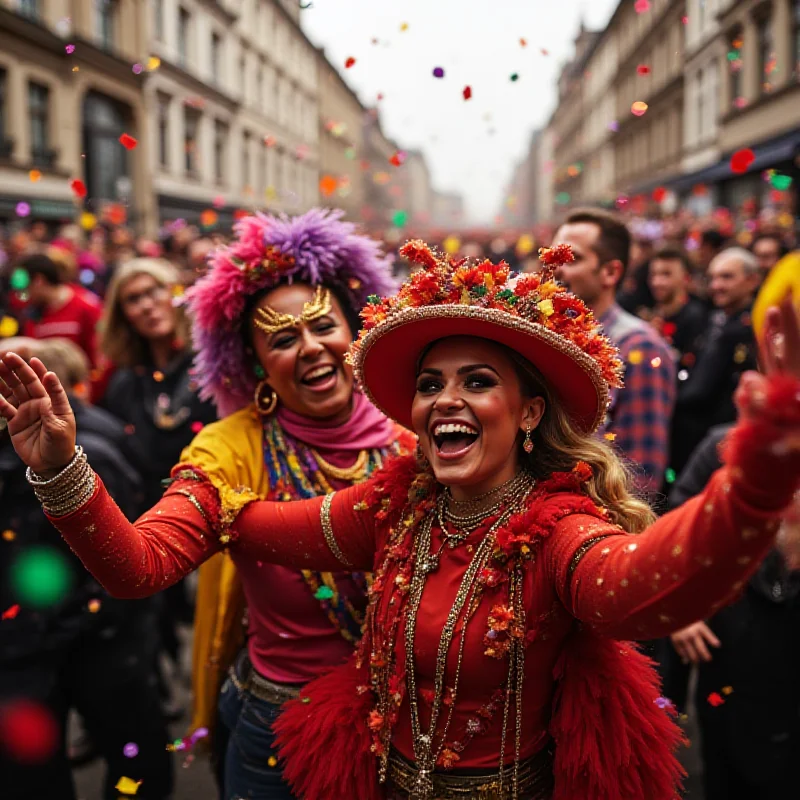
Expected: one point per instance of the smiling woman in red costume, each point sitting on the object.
(509, 557)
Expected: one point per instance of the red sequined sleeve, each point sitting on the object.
(192, 521)
(697, 558)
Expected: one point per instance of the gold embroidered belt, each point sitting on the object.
(244, 677)
(535, 780)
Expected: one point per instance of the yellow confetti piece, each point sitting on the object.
(656, 362)
(153, 63)
(88, 221)
(727, 690)
(452, 244)
(525, 244)
(178, 290)
(8, 327)
(35, 175)
(272, 761)
(9, 535)
(635, 357)
(76, 69)
(610, 436)
(93, 606)
(128, 785)
(404, 26)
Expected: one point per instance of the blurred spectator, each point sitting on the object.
(712, 243)
(705, 394)
(680, 318)
(769, 249)
(57, 309)
(146, 338)
(197, 260)
(634, 290)
(748, 656)
(85, 650)
(639, 416)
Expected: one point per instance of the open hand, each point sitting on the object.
(40, 420)
(690, 643)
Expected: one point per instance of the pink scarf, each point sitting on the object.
(367, 429)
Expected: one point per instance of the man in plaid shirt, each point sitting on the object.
(639, 417)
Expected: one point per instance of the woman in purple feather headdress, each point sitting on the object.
(272, 321)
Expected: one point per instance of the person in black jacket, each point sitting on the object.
(748, 657)
(705, 391)
(86, 651)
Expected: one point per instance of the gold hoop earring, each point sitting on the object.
(264, 409)
(527, 444)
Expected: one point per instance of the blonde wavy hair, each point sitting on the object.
(559, 446)
(118, 340)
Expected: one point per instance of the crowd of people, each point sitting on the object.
(226, 356)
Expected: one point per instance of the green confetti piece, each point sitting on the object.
(40, 577)
(670, 475)
(20, 280)
(399, 218)
(323, 593)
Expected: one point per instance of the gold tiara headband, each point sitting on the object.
(271, 321)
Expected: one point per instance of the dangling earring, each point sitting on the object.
(527, 444)
(422, 462)
(265, 408)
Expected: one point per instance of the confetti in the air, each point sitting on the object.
(404, 26)
(641, 6)
(523, 42)
(639, 108)
(609, 436)
(781, 182)
(93, 605)
(70, 48)
(28, 731)
(131, 750)
(137, 69)
(196, 426)
(127, 141)
(128, 786)
(328, 184)
(635, 357)
(19, 280)
(40, 576)
(34, 176)
(741, 160)
(349, 62)
(467, 92)
(8, 328)
(11, 612)
(669, 475)
(655, 363)
(398, 159)
(726, 690)
(78, 187)
(23, 209)
(208, 218)
(659, 194)
(438, 72)
(715, 699)
(514, 77)
(643, 69)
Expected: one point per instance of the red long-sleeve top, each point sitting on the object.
(683, 567)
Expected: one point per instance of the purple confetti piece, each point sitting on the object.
(23, 209)
(70, 48)
(438, 72)
(131, 750)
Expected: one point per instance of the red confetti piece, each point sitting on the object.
(349, 63)
(127, 141)
(523, 43)
(741, 160)
(659, 194)
(544, 52)
(715, 699)
(643, 69)
(78, 187)
(641, 6)
(467, 92)
(197, 426)
(240, 213)
(11, 612)
(28, 731)
(397, 159)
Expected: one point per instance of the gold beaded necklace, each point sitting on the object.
(354, 474)
(426, 754)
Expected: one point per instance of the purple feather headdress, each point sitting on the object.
(315, 248)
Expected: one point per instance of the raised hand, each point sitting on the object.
(40, 419)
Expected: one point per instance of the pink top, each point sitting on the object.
(291, 639)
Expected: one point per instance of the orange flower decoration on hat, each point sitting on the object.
(531, 313)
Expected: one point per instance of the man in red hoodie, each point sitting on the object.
(56, 309)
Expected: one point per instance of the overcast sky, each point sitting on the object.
(471, 146)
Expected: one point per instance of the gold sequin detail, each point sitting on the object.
(195, 502)
(582, 550)
(677, 550)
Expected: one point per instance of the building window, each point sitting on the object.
(796, 40)
(766, 54)
(246, 185)
(263, 178)
(220, 148)
(191, 124)
(260, 87)
(28, 8)
(735, 67)
(104, 14)
(701, 106)
(3, 78)
(184, 22)
(158, 19)
(216, 58)
(163, 130)
(39, 113)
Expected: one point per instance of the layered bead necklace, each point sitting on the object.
(510, 500)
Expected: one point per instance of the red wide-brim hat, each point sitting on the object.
(532, 314)
(388, 360)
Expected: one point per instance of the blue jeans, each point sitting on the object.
(251, 745)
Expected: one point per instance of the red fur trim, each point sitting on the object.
(323, 738)
(613, 742)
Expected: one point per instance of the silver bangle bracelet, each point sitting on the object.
(37, 481)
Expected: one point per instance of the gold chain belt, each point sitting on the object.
(246, 679)
(535, 780)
